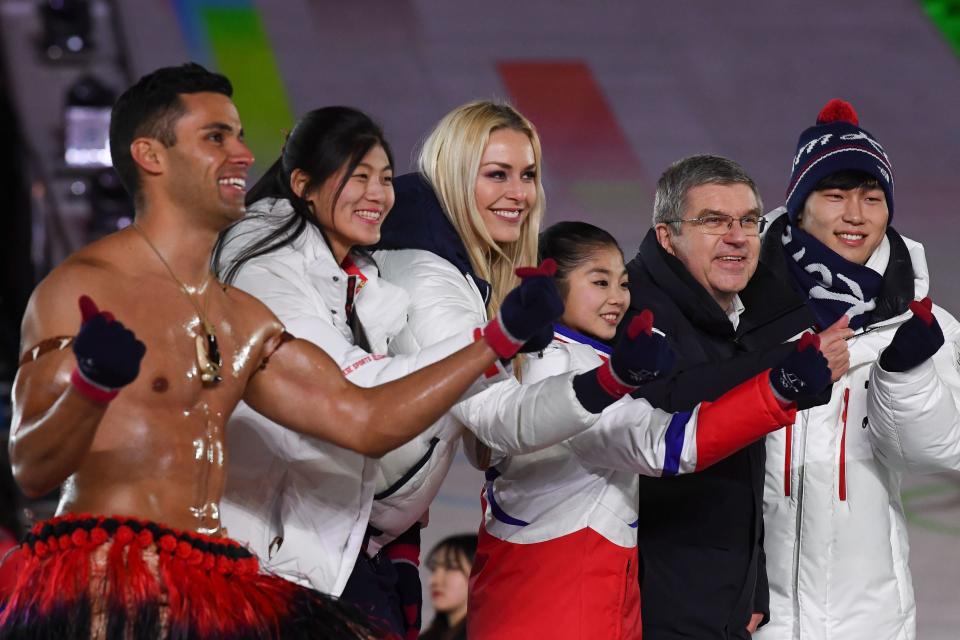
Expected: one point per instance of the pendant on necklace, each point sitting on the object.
(208, 356)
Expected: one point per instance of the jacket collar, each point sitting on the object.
(417, 221)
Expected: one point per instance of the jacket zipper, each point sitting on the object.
(843, 447)
(788, 461)
(799, 515)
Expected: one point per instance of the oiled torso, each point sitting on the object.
(159, 451)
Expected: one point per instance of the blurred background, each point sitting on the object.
(618, 91)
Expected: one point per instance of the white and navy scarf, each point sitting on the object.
(833, 285)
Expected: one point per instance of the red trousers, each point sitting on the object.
(580, 586)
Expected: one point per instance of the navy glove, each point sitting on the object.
(803, 373)
(527, 313)
(639, 357)
(915, 340)
(540, 340)
(108, 354)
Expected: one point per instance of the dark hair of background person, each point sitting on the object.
(151, 108)
(324, 142)
(455, 552)
(571, 244)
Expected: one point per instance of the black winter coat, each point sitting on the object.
(701, 536)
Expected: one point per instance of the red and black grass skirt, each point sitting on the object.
(94, 577)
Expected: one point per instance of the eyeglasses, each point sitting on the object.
(718, 224)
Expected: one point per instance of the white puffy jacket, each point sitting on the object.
(302, 504)
(590, 480)
(836, 537)
(443, 302)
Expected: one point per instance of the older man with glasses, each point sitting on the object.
(702, 567)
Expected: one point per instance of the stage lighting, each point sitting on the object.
(87, 123)
(110, 206)
(66, 27)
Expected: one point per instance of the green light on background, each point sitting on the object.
(946, 15)
(243, 53)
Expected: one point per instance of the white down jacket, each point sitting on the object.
(591, 479)
(836, 537)
(302, 504)
(443, 302)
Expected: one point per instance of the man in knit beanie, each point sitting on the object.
(835, 535)
(835, 144)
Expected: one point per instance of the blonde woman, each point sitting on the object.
(463, 224)
(481, 165)
(459, 230)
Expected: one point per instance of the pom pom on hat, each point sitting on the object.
(838, 111)
(836, 143)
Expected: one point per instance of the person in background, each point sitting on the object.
(836, 534)
(450, 563)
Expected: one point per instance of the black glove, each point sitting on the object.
(108, 354)
(802, 373)
(915, 340)
(539, 341)
(639, 356)
(527, 313)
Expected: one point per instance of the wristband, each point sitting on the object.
(500, 340)
(611, 383)
(90, 389)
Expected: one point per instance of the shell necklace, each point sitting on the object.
(208, 351)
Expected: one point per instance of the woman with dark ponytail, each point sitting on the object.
(303, 505)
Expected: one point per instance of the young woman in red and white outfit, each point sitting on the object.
(557, 550)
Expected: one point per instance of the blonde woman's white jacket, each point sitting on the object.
(590, 480)
(302, 504)
(836, 535)
(443, 302)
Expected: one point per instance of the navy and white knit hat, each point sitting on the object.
(836, 143)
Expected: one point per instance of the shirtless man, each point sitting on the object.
(153, 452)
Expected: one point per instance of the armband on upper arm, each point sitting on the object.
(34, 353)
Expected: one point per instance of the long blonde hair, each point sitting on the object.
(450, 161)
